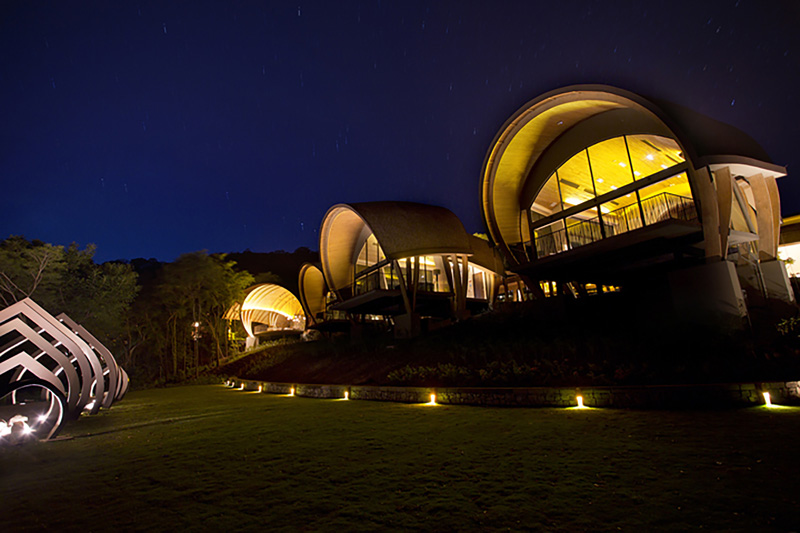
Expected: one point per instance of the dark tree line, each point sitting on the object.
(162, 321)
(68, 280)
(176, 327)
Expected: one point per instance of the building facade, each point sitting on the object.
(593, 189)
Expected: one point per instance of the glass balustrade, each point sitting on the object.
(658, 208)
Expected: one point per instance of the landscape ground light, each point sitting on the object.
(579, 400)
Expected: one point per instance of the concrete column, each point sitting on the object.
(724, 182)
(709, 205)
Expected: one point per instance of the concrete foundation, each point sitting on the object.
(776, 280)
(708, 291)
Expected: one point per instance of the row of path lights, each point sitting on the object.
(578, 398)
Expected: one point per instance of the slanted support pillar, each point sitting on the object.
(459, 279)
(403, 287)
(709, 210)
(725, 201)
(415, 283)
(767, 220)
(406, 325)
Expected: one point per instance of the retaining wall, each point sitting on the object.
(648, 397)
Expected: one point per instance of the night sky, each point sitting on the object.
(157, 128)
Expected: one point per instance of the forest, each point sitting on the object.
(162, 321)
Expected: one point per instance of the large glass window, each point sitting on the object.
(652, 153)
(602, 169)
(610, 166)
(370, 254)
(583, 228)
(479, 282)
(551, 239)
(575, 180)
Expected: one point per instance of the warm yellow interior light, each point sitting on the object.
(433, 400)
(580, 402)
(767, 400)
(259, 388)
(291, 391)
(346, 395)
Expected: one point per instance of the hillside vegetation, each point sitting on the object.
(603, 343)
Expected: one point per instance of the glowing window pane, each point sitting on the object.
(621, 215)
(583, 228)
(652, 153)
(370, 254)
(668, 199)
(548, 201)
(610, 165)
(575, 180)
(551, 239)
(678, 185)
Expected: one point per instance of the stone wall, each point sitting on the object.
(639, 397)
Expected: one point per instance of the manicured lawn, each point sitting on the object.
(211, 458)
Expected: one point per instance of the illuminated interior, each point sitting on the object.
(384, 258)
(373, 272)
(790, 253)
(639, 179)
(273, 306)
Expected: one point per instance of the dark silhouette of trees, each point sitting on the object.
(68, 280)
(176, 326)
(163, 321)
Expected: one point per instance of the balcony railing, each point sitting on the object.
(370, 282)
(664, 206)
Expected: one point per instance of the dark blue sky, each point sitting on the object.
(157, 128)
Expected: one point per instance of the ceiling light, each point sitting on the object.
(599, 180)
(572, 201)
(665, 167)
(622, 164)
(613, 188)
(637, 173)
(649, 157)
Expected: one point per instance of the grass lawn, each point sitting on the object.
(211, 458)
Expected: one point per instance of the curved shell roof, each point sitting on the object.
(234, 312)
(483, 254)
(403, 229)
(267, 302)
(312, 291)
(524, 139)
